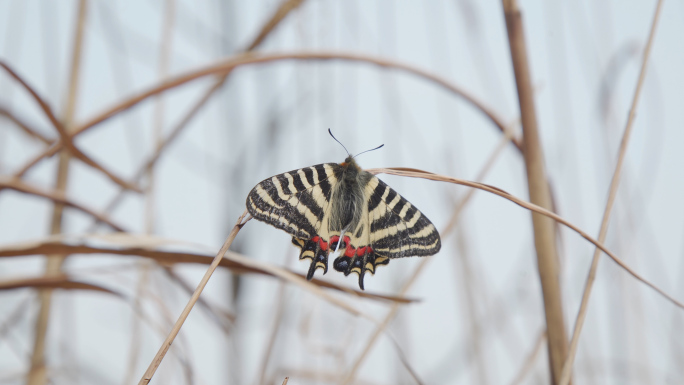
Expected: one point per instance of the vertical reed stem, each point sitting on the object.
(544, 232)
(37, 372)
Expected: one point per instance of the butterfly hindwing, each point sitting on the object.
(299, 202)
(393, 228)
(397, 228)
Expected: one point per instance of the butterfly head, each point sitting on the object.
(350, 163)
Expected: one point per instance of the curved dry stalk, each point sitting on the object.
(532, 207)
(228, 65)
(61, 281)
(232, 63)
(614, 183)
(55, 196)
(65, 138)
(24, 126)
(453, 220)
(250, 263)
(131, 245)
(351, 374)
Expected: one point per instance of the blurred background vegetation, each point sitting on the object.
(132, 131)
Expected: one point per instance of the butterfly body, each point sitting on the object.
(331, 206)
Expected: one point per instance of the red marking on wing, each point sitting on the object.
(350, 251)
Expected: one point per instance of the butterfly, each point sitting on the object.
(335, 207)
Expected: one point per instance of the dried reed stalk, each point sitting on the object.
(581, 315)
(152, 368)
(544, 231)
(384, 324)
(413, 173)
(226, 66)
(37, 374)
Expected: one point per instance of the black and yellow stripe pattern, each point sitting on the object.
(318, 206)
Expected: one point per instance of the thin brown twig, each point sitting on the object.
(24, 126)
(61, 281)
(540, 194)
(130, 245)
(283, 10)
(351, 374)
(228, 65)
(152, 368)
(65, 138)
(57, 197)
(614, 184)
(535, 208)
(164, 144)
(147, 377)
(285, 7)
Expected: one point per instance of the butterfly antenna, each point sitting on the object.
(372, 149)
(333, 136)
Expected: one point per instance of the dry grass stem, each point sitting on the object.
(532, 207)
(612, 194)
(144, 246)
(226, 66)
(284, 9)
(147, 377)
(61, 281)
(37, 374)
(540, 194)
(56, 196)
(351, 374)
(31, 132)
(65, 138)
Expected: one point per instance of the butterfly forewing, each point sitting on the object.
(295, 201)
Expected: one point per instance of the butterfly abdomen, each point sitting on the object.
(348, 198)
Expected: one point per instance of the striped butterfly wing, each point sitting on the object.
(299, 202)
(391, 228)
(295, 201)
(397, 228)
